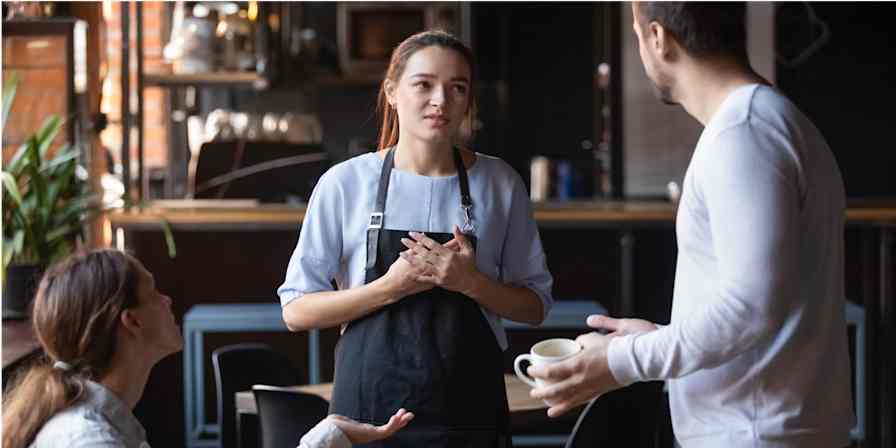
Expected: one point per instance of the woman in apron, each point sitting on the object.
(430, 246)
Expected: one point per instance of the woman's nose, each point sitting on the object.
(438, 96)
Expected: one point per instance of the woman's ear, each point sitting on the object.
(389, 88)
(130, 322)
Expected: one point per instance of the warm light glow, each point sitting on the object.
(107, 233)
(119, 239)
(253, 10)
(107, 9)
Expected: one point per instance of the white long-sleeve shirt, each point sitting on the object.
(756, 351)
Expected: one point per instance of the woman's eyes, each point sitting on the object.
(425, 85)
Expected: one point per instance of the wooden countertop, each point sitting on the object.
(18, 341)
(247, 215)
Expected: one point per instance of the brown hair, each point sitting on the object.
(75, 317)
(704, 29)
(389, 131)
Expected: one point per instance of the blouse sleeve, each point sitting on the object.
(523, 260)
(316, 258)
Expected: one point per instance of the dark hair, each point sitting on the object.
(75, 318)
(389, 131)
(704, 29)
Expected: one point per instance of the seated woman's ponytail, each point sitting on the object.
(76, 312)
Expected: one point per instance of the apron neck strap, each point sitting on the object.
(466, 200)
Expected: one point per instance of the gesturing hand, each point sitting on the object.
(358, 433)
(451, 266)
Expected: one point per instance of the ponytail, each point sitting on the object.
(75, 317)
(39, 394)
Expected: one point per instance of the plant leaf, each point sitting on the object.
(7, 254)
(9, 185)
(169, 237)
(61, 232)
(18, 160)
(66, 155)
(47, 133)
(12, 247)
(9, 93)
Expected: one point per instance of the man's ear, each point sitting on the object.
(664, 45)
(130, 322)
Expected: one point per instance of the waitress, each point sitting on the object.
(430, 246)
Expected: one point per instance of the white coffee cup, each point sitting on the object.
(545, 352)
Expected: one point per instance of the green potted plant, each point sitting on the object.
(46, 201)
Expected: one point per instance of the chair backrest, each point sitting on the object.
(590, 429)
(286, 414)
(637, 415)
(273, 173)
(237, 368)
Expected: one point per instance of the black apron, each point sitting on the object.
(432, 353)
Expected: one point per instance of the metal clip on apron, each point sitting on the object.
(432, 353)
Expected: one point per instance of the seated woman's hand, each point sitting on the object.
(358, 433)
(451, 265)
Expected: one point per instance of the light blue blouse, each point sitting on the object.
(332, 241)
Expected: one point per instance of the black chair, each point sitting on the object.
(239, 367)
(637, 415)
(590, 429)
(269, 172)
(286, 414)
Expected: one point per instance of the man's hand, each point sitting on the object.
(619, 327)
(578, 379)
(358, 433)
(587, 375)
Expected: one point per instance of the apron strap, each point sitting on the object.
(466, 202)
(377, 217)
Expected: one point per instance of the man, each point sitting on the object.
(756, 351)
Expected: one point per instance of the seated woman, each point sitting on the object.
(103, 326)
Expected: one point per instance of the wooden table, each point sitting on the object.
(523, 409)
(517, 396)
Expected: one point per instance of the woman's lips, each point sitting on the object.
(436, 120)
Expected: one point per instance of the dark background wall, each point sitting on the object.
(847, 87)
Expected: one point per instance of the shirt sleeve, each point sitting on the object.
(316, 258)
(325, 435)
(749, 185)
(523, 260)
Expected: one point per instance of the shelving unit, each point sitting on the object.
(247, 79)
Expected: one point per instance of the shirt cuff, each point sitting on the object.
(325, 435)
(621, 359)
